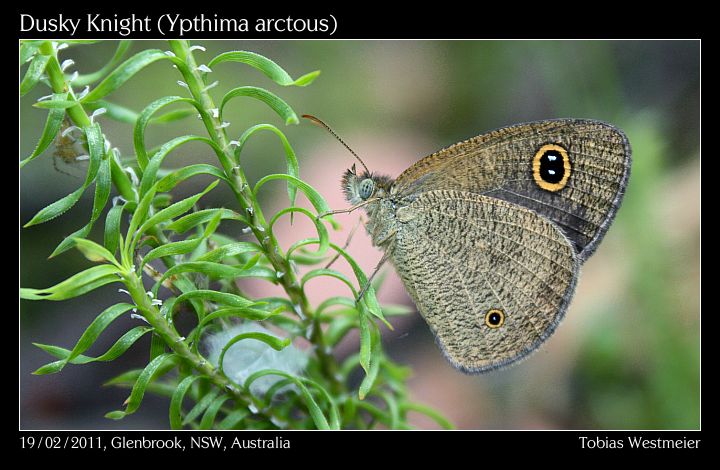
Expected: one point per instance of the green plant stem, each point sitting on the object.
(249, 205)
(171, 337)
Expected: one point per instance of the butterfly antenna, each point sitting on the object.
(327, 128)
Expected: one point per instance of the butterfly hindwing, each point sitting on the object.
(471, 262)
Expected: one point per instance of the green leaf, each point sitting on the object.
(276, 103)
(95, 252)
(176, 177)
(89, 78)
(155, 368)
(189, 221)
(27, 50)
(115, 351)
(176, 421)
(293, 167)
(141, 212)
(318, 202)
(124, 72)
(313, 408)
(248, 313)
(184, 246)
(223, 298)
(112, 227)
(219, 271)
(174, 210)
(373, 366)
(55, 103)
(95, 141)
(330, 273)
(57, 208)
(103, 183)
(50, 131)
(272, 341)
(93, 331)
(33, 73)
(338, 329)
(201, 406)
(365, 339)
(369, 299)
(212, 410)
(272, 70)
(429, 412)
(114, 111)
(231, 249)
(233, 418)
(393, 409)
(76, 285)
(143, 120)
(150, 171)
(321, 230)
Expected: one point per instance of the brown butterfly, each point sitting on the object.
(488, 234)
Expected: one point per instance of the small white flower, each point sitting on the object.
(133, 176)
(215, 112)
(234, 143)
(197, 48)
(183, 84)
(118, 200)
(74, 76)
(85, 91)
(211, 86)
(82, 158)
(123, 290)
(223, 125)
(138, 317)
(97, 112)
(62, 46)
(170, 53)
(66, 63)
(69, 130)
(204, 68)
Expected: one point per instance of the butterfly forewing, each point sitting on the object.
(522, 164)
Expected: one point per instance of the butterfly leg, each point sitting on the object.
(347, 242)
(367, 285)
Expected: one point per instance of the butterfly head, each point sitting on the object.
(361, 187)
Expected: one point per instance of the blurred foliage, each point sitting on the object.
(633, 362)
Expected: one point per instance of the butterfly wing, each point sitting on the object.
(512, 164)
(465, 257)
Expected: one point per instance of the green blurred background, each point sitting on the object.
(627, 354)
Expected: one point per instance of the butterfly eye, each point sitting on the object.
(367, 187)
(494, 318)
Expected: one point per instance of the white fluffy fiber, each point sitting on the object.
(249, 356)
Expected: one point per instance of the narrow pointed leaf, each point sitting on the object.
(76, 285)
(53, 123)
(293, 167)
(33, 73)
(276, 103)
(272, 70)
(156, 366)
(124, 72)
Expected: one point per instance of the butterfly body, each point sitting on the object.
(488, 235)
